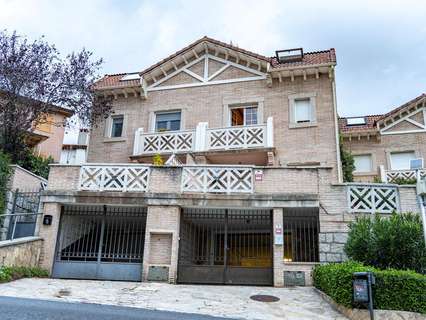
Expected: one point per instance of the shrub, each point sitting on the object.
(394, 289)
(405, 181)
(348, 163)
(36, 164)
(13, 273)
(5, 172)
(388, 242)
(157, 160)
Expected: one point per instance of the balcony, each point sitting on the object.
(401, 176)
(217, 144)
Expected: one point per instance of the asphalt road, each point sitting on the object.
(32, 309)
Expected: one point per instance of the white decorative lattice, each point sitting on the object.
(217, 179)
(393, 176)
(114, 178)
(373, 199)
(237, 137)
(178, 141)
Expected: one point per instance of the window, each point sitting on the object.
(363, 163)
(167, 121)
(355, 121)
(117, 126)
(303, 111)
(401, 160)
(243, 116)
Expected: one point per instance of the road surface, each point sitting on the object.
(32, 309)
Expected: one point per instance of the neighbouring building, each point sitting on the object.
(252, 191)
(74, 150)
(383, 145)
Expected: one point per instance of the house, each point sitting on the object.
(252, 192)
(46, 138)
(383, 145)
(74, 151)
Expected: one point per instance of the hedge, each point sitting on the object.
(394, 289)
(13, 273)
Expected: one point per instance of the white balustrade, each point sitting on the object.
(392, 176)
(114, 177)
(237, 137)
(217, 179)
(372, 198)
(166, 142)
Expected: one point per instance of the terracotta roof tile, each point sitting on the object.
(310, 58)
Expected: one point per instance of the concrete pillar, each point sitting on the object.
(49, 235)
(162, 240)
(278, 253)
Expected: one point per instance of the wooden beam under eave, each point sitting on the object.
(195, 53)
(126, 95)
(317, 73)
(279, 77)
(174, 65)
(292, 76)
(184, 59)
(164, 72)
(330, 72)
(304, 75)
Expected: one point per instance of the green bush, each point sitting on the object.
(5, 172)
(388, 242)
(36, 164)
(405, 181)
(348, 163)
(394, 289)
(13, 273)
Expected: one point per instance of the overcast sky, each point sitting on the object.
(381, 45)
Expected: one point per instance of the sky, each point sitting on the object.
(380, 45)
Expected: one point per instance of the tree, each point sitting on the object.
(388, 242)
(348, 163)
(35, 80)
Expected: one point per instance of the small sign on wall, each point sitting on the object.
(258, 175)
(278, 235)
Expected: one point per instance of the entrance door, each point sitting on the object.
(226, 246)
(103, 243)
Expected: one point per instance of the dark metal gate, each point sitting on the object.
(226, 246)
(104, 243)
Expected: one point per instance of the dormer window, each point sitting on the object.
(132, 76)
(289, 55)
(358, 121)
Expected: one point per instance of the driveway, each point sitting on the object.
(221, 301)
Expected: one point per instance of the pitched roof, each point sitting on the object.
(370, 124)
(371, 120)
(310, 58)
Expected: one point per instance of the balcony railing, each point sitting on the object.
(204, 139)
(396, 176)
(114, 178)
(373, 198)
(217, 179)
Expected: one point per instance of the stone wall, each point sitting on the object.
(331, 246)
(23, 252)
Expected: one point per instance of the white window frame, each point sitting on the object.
(371, 163)
(391, 162)
(245, 107)
(167, 112)
(229, 103)
(108, 128)
(292, 110)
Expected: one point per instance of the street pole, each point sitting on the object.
(422, 204)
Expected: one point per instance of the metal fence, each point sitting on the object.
(20, 217)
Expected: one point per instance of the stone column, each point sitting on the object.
(162, 240)
(49, 235)
(278, 254)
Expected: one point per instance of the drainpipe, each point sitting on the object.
(422, 203)
(336, 126)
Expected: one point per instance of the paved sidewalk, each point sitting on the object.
(222, 301)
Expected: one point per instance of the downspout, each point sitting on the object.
(336, 128)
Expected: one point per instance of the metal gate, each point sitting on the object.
(226, 246)
(103, 243)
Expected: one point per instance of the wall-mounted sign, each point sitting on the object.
(278, 237)
(258, 175)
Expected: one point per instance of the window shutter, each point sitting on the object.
(107, 130)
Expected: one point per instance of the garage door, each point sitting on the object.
(221, 246)
(104, 243)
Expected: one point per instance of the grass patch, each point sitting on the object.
(14, 273)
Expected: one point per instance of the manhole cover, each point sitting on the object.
(264, 298)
